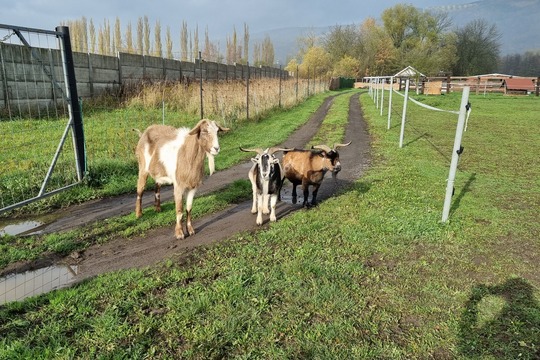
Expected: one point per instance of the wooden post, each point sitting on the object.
(538, 86)
(448, 82)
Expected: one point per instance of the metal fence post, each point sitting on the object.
(201, 84)
(73, 104)
(247, 92)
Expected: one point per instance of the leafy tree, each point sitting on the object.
(316, 62)
(342, 41)
(292, 66)
(347, 67)
(421, 38)
(378, 54)
(140, 36)
(478, 48)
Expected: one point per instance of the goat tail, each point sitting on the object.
(138, 131)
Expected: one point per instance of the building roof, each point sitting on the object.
(409, 71)
(519, 84)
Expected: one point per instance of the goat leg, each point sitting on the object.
(189, 205)
(260, 204)
(157, 198)
(305, 188)
(178, 231)
(294, 195)
(273, 201)
(314, 194)
(141, 182)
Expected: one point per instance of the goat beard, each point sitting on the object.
(334, 175)
(211, 163)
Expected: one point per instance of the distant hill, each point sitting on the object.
(518, 22)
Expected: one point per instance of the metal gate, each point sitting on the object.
(39, 112)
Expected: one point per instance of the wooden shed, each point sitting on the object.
(518, 86)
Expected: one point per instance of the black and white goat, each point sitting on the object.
(266, 179)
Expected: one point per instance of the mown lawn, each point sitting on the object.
(369, 274)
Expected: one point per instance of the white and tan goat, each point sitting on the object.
(176, 156)
(266, 179)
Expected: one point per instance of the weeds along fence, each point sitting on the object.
(441, 131)
(115, 95)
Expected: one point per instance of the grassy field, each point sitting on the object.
(370, 274)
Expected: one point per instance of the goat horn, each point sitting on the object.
(337, 146)
(322, 147)
(257, 150)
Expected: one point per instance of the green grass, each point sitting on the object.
(369, 274)
(116, 177)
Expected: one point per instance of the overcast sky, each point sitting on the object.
(219, 16)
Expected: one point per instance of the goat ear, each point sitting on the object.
(255, 160)
(197, 129)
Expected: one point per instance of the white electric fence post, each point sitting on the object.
(390, 101)
(404, 114)
(455, 153)
(377, 93)
(383, 81)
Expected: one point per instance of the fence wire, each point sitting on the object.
(31, 120)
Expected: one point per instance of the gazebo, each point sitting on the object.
(409, 73)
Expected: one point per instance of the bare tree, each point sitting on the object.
(140, 36)
(478, 48)
(196, 42)
(147, 46)
(129, 39)
(92, 34)
(169, 43)
(158, 47)
(246, 44)
(184, 41)
(117, 36)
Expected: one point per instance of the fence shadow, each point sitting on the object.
(512, 333)
(464, 190)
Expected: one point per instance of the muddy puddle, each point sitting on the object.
(17, 287)
(29, 226)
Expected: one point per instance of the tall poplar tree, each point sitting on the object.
(169, 43)
(184, 41)
(158, 47)
(140, 36)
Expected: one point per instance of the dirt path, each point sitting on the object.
(159, 244)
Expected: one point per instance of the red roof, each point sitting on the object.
(519, 84)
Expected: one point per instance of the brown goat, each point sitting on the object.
(308, 167)
(176, 156)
